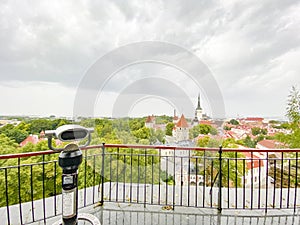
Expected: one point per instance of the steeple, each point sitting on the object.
(198, 105)
(198, 111)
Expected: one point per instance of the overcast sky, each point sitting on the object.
(252, 49)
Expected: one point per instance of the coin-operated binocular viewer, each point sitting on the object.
(69, 160)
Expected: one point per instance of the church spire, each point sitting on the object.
(198, 105)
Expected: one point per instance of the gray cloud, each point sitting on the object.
(251, 47)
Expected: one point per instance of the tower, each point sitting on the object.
(198, 111)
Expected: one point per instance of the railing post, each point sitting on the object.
(102, 175)
(220, 181)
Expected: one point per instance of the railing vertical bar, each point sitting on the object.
(152, 176)
(251, 192)
(204, 178)
(289, 184)
(228, 189)
(181, 180)
(259, 183)
(159, 176)
(102, 174)
(138, 186)
(174, 178)
(124, 181)
(31, 193)
(130, 191)
(197, 183)
(84, 191)
(145, 177)
(296, 183)
(236, 179)
(220, 181)
(281, 180)
(244, 183)
(6, 196)
(94, 177)
(44, 194)
(189, 178)
(54, 187)
(117, 185)
(267, 182)
(110, 175)
(274, 188)
(167, 176)
(211, 181)
(19, 190)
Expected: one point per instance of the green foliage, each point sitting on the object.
(208, 142)
(249, 142)
(229, 143)
(167, 178)
(169, 128)
(156, 136)
(38, 125)
(163, 119)
(202, 129)
(136, 124)
(256, 131)
(7, 146)
(226, 128)
(234, 122)
(293, 114)
(203, 142)
(142, 133)
(293, 107)
(14, 132)
(232, 170)
(285, 126)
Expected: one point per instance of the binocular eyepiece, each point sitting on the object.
(69, 133)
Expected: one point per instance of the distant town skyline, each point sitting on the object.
(252, 50)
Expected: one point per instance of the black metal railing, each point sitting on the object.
(167, 176)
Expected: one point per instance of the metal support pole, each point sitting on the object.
(220, 181)
(102, 175)
(69, 161)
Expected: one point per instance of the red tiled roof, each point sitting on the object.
(182, 122)
(270, 144)
(34, 139)
(255, 162)
(150, 119)
(259, 119)
(206, 122)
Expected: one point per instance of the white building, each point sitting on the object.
(181, 130)
(256, 173)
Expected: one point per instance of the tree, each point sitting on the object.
(293, 107)
(202, 129)
(249, 142)
(14, 132)
(169, 128)
(293, 114)
(142, 133)
(136, 124)
(256, 131)
(234, 122)
(156, 136)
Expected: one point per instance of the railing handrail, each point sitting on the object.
(48, 152)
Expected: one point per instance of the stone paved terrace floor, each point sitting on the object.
(124, 214)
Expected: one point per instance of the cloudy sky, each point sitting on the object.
(251, 48)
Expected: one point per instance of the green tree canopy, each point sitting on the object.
(169, 128)
(293, 107)
(234, 122)
(202, 129)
